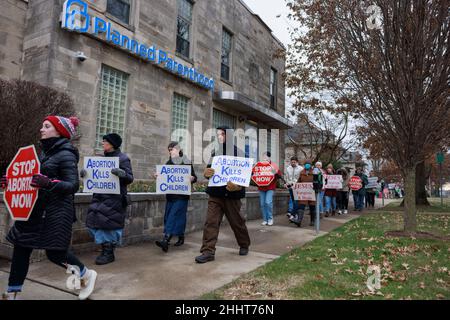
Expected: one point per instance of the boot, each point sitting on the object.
(164, 243)
(327, 214)
(180, 241)
(333, 213)
(107, 255)
(297, 219)
(313, 219)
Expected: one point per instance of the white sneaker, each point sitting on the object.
(264, 223)
(339, 212)
(270, 222)
(87, 284)
(345, 211)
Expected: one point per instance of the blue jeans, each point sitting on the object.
(293, 204)
(266, 203)
(321, 194)
(358, 200)
(330, 203)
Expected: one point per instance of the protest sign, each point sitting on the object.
(20, 197)
(304, 191)
(99, 178)
(173, 179)
(373, 183)
(355, 183)
(235, 169)
(333, 181)
(263, 174)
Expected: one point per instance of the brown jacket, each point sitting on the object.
(306, 177)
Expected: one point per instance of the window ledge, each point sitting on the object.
(226, 81)
(118, 21)
(181, 56)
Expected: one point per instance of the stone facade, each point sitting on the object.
(36, 48)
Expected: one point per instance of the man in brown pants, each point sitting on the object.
(223, 200)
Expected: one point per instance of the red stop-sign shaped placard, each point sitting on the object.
(355, 183)
(20, 197)
(263, 174)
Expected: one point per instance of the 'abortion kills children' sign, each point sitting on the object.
(99, 178)
(173, 179)
(235, 169)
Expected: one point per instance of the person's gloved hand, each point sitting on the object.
(83, 173)
(4, 182)
(209, 172)
(41, 181)
(119, 172)
(233, 187)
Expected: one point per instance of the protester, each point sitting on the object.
(322, 192)
(50, 224)
(291, 175)
(330, 195)
(358, 195)
(370, 194)
(225, 200)
(106, 213)
(176, 204)
(266, 193)
(306, 176)
(342, 194)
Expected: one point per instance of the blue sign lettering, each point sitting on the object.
(75, 17)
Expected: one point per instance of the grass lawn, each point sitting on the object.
(335, 266)
(435, 206)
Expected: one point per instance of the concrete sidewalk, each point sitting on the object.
(145, 272)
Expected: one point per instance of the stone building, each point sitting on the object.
(149, 69)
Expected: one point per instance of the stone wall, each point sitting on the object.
(145, 218)
(12, 30)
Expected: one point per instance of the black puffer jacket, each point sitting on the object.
(222, 192)
(107, 211)
(50, 223)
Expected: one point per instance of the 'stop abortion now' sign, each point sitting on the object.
(20, 197)
(235, 169)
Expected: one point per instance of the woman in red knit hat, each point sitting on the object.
(50, 224)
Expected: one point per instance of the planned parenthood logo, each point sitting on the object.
(74, 12)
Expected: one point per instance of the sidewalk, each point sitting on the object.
(144, 272)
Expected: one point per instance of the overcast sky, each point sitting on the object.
(268, 11)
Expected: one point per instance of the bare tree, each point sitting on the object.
(322, 137)
(391, 70)
(24, 105)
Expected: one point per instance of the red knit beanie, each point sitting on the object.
(65, 126)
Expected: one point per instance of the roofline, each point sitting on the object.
(263, 23)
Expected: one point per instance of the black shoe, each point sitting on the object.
(204, 257)
(180, 241)
(243, 251)
(107, 255)
(163, 244)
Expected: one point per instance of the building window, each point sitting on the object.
(223, 119)
(119, 9)
(184, 26)
(179, 118)
(269, 140)
(273, 88)
(112, 103)
(226, 55)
